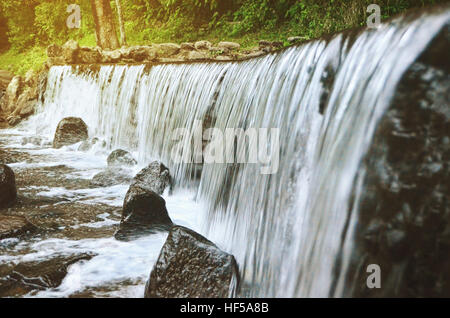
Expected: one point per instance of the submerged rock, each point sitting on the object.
(8, 191)
(13, 226)
(144, 212)
(121, 157)
(70, 130)
(38, 275)
(155, 177)
(111, 177)
(190, 266)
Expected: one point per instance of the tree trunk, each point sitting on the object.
(123, 38)
(105, 30)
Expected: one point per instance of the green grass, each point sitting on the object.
(20, 62)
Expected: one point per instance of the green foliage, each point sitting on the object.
(30, 25)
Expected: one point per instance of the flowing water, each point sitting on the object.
(291, 231)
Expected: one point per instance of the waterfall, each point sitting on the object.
(291, 232)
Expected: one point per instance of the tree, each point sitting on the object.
(105, 31)
(123, 37)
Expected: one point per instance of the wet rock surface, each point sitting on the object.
(155, 177)
(111, 177)
(190, 266)
(8, 191)
(144, 212)
(120, 157)
(404, 218)
(70, 130)
(37, 275)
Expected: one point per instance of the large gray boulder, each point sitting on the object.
(190, 266)
(70, 130)
(8, 191)
(144, 212)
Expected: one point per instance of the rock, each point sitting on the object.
(111, 56)
(223, 58)
(167, 49)
(70, 51)
(54, 50)
(229, 45)
(155, 177)
(202, 45)
(255, 54)
(52, 61)
(144, 212)
(38, 275)
(37, 141)
(111, 177)
(195, 56)
(190, 266)
(268, 46)
(14, 226)
(12, 92)
(13, 120)
(5, 79)
(88, 144)
(28, 109)
(89, 56)
(70, 130)
(139, 53)
(406, 186)
(8, 191)
(295, 39)
(121, 157)
(187, 46)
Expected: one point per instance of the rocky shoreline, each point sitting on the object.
(26, 214)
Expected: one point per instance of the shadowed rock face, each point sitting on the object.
(144, 212)
(191, 266)
(8, 191)
(70, 130)
(404, 212)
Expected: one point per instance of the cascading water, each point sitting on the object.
(286, 229)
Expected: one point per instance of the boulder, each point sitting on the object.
(121, 157)
(295, 39)
(14, 226)
(13, 120)
(187, 46)
(144, 212)
(190, 266)
(8, 191)
(88, 144)
(229, 45)
(167, 49)
(111, 177)
(54, 50)
(195, 56)
(155, 177)
(202, 45)
(12, 92)
(89, 56)
(52, 61)
(111, 56)
(70, 51)
(70, 130)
